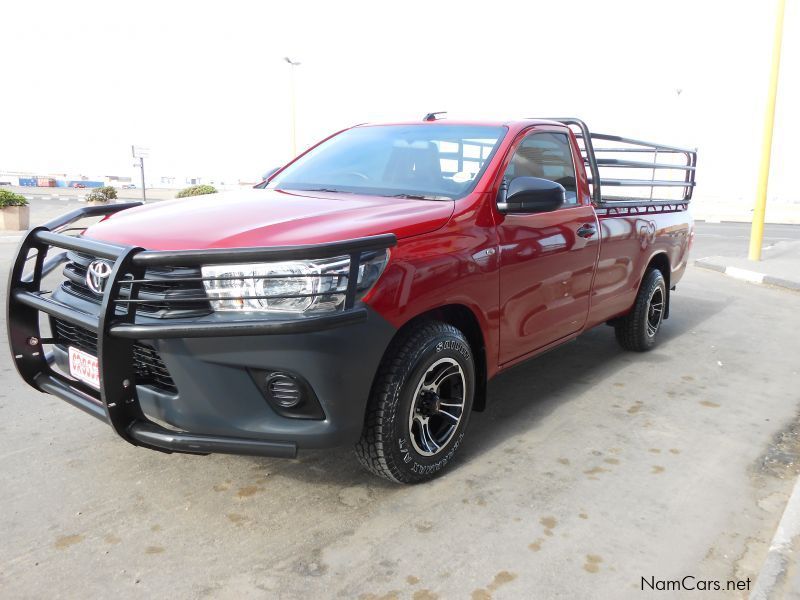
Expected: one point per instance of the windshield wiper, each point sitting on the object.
(330, 190)
(419, 197)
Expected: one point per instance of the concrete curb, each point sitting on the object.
(773, 580)
(748, 275)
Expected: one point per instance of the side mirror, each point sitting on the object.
(270, 173)
(265, 178)
(530, 195)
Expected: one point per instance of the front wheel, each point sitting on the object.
(419, 405)
(637, 330)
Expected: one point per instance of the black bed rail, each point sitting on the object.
(117, 328)
(678, 175)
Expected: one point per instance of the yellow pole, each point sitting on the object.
(757, 229)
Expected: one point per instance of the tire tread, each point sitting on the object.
(630, 330)
(382, 406)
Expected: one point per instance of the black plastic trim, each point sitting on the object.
(264, 326)
(307, 408)
(152, 435)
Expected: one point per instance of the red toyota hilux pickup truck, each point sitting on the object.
(364, 295)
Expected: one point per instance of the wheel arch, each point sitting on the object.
(660, 261)
(464, 319)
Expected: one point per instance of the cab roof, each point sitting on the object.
(511, 124)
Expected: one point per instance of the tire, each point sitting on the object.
(638, 329)
(407, 438)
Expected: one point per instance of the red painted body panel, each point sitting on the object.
(251, 217)
(628, 245)
(446, 267)
(546, 269)
(545, 278)
(529, 280)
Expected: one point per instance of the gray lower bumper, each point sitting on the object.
(220, 408)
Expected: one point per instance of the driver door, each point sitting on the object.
(546, 259)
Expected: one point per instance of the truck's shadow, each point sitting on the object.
(521, 397)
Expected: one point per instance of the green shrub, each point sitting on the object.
(109, 192)
(196, 190)
(103, 194)
(8, 198)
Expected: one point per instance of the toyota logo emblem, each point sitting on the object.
(96, 275)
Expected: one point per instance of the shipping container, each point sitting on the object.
(86, 184)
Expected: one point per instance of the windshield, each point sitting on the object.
(426, 161)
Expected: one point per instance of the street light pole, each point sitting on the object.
(757, 228)
(293, 64)
(141, 166)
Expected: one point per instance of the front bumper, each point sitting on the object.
(218, 406)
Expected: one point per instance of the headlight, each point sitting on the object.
(300, 286)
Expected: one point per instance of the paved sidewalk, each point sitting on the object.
(779, 577)
(779, 266)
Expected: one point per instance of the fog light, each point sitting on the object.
(288, 394)
(284, 389)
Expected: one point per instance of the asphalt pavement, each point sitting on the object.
(733, 239)
(591, 469)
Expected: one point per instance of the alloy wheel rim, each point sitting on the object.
(437, 407)
(655, 311)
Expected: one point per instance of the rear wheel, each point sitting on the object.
(638, 329)
(420, 404)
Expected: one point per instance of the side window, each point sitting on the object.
(547, 156)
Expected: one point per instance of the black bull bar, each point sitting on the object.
(116, 401)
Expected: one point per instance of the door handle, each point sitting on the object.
(586, 231)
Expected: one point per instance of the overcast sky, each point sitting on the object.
(204, 84)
